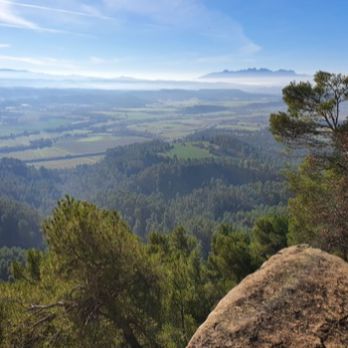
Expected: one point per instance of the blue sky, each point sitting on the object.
(173, 39)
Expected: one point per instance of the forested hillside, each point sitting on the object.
(99, 285)
(199, 182)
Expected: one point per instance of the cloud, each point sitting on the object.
(4, 45)
(9, 18)
(250, 48)
(189, 16)
(88, 11)
(42, 62)
(102, 61)
(91, 11)
(57, 65)
(158, 8)
(97, 60)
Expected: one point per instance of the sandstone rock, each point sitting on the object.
(298, 298)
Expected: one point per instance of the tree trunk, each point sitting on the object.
(129, 337)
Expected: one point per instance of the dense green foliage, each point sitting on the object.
(7, 257)
(153, 191)
(19, 225)
(318, 211)
(25, 184)
(269, 235)
(314, 111)
(98, 285)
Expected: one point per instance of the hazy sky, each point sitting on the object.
(172, 38)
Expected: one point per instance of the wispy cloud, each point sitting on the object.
(4, 45)
(102, 61)
(59, 66)
(42, 62)
(9, 18)
(189, 15)
(250, 48)
(89, 11)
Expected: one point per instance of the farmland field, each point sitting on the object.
(68, 162)
(186, 151)
(65, 128)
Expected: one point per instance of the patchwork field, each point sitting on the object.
(187, 151)
(64, 128)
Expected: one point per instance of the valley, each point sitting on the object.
(65, 128)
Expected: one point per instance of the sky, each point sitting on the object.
(172, 39)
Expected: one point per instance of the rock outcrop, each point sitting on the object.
(298, 298)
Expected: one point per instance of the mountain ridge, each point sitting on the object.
(251, 72)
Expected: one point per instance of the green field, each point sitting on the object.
(33, 124)
(186, 151)
(96, 143)
(73, 147)
(67, 163)
(37, 154)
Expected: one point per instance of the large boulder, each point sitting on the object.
(298, 298)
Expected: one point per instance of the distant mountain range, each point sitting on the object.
(263, 80)
(251, 72)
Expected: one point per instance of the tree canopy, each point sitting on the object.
(316, 118)
(314, 115)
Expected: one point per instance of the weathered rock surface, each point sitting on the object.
(298, 298)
